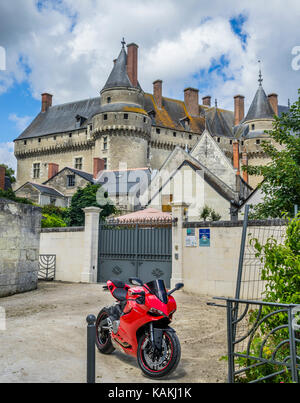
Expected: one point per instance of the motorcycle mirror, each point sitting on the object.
(179, 286)
(135, 281)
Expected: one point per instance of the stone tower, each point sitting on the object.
(259, 119)
(122, 128)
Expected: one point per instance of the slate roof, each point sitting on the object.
(43, 189)
(85, 175)
(118, 77)
(260, 107)
(61, 118)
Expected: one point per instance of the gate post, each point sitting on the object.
(91, 236)
(178, 212)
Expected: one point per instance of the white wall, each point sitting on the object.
(68, 246)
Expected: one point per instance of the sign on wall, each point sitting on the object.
(204, 237)
(190, 239)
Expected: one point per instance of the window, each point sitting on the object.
(253, 127)
(71, 181)
(104, 143)
(218, 140)
(108, 100)
(105, 163)
(40, 140)
(78, 163)
(190, 136)
(174, 134)
(91, 128)
(25, 142)
(70, 135)
(230, 142)
(144, 120)
(52, 201)
(126, 116)
(36, 170)
(257, 141)
(158, 131)
(54, 138)
(105, 117)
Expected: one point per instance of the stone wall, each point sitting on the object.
(20, 226)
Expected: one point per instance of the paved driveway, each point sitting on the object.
(45, 340)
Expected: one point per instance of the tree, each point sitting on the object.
(87, 197)
(9, 172)
(281, 185)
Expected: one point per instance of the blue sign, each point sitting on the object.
(204, 237)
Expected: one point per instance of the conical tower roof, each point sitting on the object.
(260, 107)
(118, 77)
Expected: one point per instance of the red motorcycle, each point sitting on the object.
(138, 325)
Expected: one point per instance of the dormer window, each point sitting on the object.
(185, 123)
(79, 121)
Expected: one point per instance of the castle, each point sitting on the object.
(139, 129)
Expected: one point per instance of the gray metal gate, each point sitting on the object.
(142, 250)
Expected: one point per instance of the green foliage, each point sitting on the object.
(55, 216)
(9, 172)
(208, 214)
(87, 197)
(52, 221)
(9, 194)
(281, 186)
(281, 273)
(282, 265)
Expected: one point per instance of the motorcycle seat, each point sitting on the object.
(120, 294)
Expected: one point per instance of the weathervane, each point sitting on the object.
(260, 79)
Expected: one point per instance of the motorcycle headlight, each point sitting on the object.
(155, 312)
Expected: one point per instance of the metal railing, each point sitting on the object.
(263, 341)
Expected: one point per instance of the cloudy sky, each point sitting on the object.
(66, 47)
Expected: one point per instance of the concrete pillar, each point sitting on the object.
(91, 236)
(179, 212)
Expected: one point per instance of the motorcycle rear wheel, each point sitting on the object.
(103, 337)
(159, 367)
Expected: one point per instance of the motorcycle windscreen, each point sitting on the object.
(158, 288)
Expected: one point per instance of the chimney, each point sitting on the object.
(191, 100)
(132, 63)
(236, 157)
(245, 163)
(239, 109)
(2, 178)
(273, 99)
(157, 92)
(46, 101)
(52, 170)
(206, 100)
(98, 166)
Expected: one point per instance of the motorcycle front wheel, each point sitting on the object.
(156, 365)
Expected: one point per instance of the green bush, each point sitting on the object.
(10, 195)
(52, 221)
(281, 273)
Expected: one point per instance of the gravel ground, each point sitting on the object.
(45, 339)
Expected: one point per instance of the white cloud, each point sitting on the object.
(177, 39)
(7, 155)
(21, 122)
